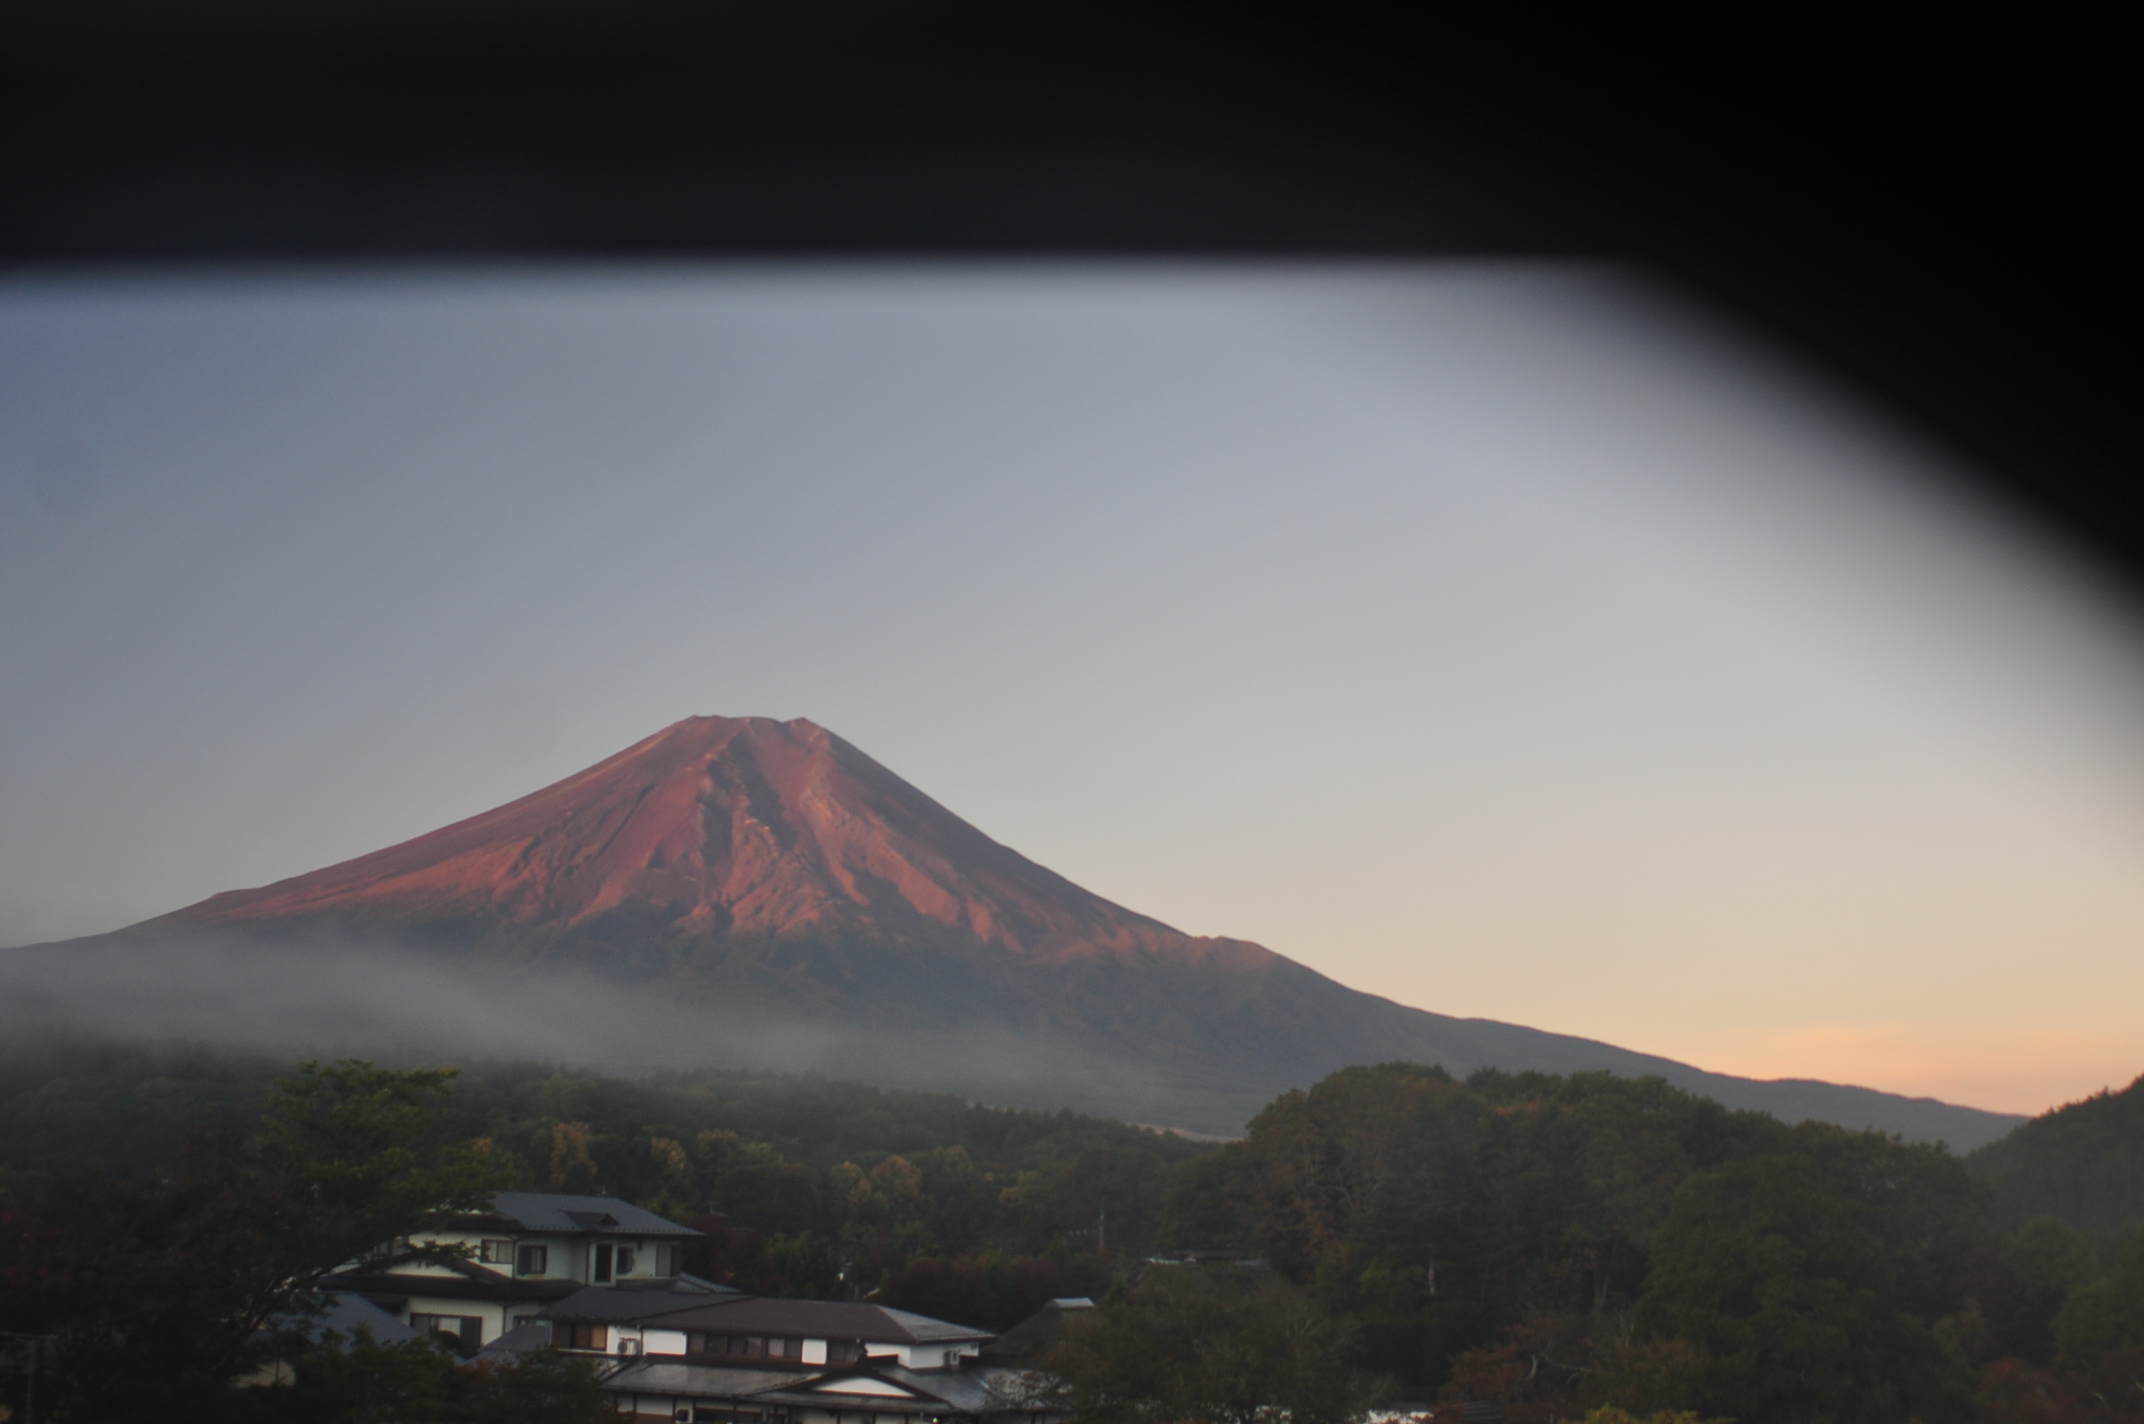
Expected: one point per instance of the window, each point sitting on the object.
(605, 1254)
(844, 1352)
(627, 1257)
(495, 1253)
(754, 1347)
(666, 1261)
(467, 1330)
(576, 1335)
(533, 1261)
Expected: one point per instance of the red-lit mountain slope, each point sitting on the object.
(770, 886)
(715, 830)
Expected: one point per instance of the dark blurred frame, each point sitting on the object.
(1937, 216)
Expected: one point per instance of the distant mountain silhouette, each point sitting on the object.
(758, 873)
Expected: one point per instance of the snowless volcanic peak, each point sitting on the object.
(779, 899)
(716, 827)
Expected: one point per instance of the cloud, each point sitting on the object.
(326, 997)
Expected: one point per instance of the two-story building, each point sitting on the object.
(501, 1268)
(758, 1360)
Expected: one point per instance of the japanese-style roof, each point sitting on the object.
(346, 1315)
(517, 1342)
(885, 1385)
(974, 1391)
(1038, 1331)
(638, 1302)
(581, 1216)
(352, 1313)
(703, 1381)
(450, 1279)
(809, 1319)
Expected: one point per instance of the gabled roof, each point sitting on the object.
(930, 1392)
(516, 1342)
(859, 1381)
(710, 1307)
(348, 1313)
(579, 1216)
(352, 1313)
(764, 1315)
(974, 1391)
(1038, 1331)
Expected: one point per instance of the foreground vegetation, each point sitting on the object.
(159, 1295)
(1564, 1247)
(1559, 1244)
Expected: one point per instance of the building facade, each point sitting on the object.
(755, 1360)
(482, 1276)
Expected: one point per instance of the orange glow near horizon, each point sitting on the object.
(1509, 640)
(2004, 1070)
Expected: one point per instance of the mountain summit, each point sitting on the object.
(716, 830)
(751, 891)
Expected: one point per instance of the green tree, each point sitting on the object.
(1781, 1269)
(163, 1289)
(2107, 1315)
(335, 1380)
(1208, 1345)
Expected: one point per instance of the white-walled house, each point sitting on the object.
(759, 1360)
(654, 1390)
(530, 1250)
(749, 1330)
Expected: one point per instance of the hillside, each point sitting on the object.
(749, 892)
(2082, 1164)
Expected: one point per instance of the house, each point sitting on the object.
(747, 1330)
(659, 1391)
(1026, 1342)
(531, 1250)
(756, 1360)
(345, 1317)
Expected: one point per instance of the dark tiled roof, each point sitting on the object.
(516, 1342)
(975, 1391)
(347, 1313)
(578, 1215)
(634, 1302)
(660, 1376)
(352, 1313)
(763, 1315)
(469, 1282)
(931, 1392)
(1038, 1331)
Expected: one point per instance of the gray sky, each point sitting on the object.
(1500, 638)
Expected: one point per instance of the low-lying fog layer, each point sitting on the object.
(368, 999)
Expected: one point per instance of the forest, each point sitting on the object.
(1552, 1245)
